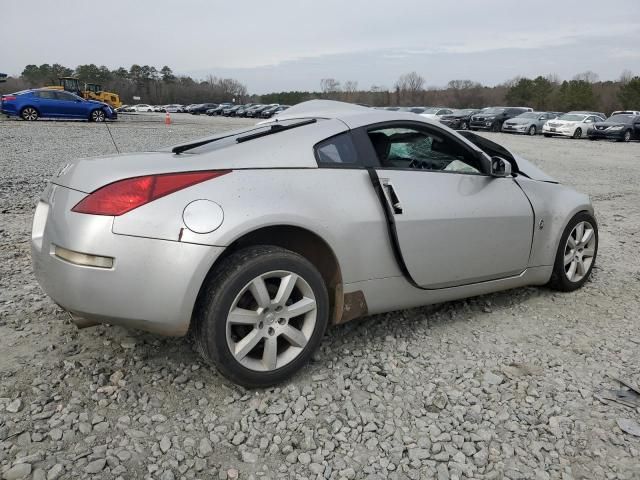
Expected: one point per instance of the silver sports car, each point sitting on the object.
(256, 240)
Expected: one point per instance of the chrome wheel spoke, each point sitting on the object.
(270, 354)
(579, 232)
(294, 336)
(286, 287)
(580, 269)
(572, 269)
(587, 236)
(300, 307)
(568, 258)
(259, 291)
(248, 343)
(571, 241)
(242, 316)
(588, 252)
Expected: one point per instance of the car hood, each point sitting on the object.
(610, 124)
(531, 171)
(519, 121)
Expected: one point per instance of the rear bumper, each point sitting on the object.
(152, 285)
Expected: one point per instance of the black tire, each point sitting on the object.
(627, 136)
(473, 129)
(464, 126)
(577, 134)
(547, 135)
(97, 115)
(559, 280)
(532, 130)
(29, 114)
(496, 127)
(217, 297)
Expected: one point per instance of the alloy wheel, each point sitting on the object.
(579, 251)
(577, 133)
(464, 126)
(627, 136)
(97, 116)
(29, 114)
(532, 130)
(271, 320)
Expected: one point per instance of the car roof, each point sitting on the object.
(352, 115)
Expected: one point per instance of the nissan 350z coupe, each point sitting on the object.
(257, 240)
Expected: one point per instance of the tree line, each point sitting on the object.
(161, 86)
(152, 85)
(545, 93)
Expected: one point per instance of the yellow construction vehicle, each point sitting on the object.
(91, 91)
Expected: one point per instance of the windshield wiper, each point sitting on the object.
(275, 128)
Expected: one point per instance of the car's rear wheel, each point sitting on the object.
(627, 136)
(532, 130)
(577, 133)
(29, 114)
(464, 126)
(576, 255)
(97, 116)
(261, 315)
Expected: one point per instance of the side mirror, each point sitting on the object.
(541, 117)
(500, 167)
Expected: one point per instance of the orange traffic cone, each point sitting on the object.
(167, 119)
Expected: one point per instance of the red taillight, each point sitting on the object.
(124, 195)
(8, 98)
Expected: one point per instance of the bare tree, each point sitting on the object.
(410, 88)
(626, 76)
(588, 76)
(329, 87)
(350, 91)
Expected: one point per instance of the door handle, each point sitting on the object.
(392, 198)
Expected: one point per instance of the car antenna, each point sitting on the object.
(106, 124)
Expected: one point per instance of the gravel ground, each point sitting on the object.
(499, 386)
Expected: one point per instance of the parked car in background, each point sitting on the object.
(256, 111)
(420, 215)
(529, 123)
(38, 103)
(434, 113)
(202, 108)
(620, 127)
(219, 109)
(459, 119)
(492, 118)
(572, 124)
(188, 108)
(158, 108)
(243, 109)
(173, 108)
(230, 110)
(417, 110)
(626, 112)
(142, 107)
(270, 112)
(123, 108)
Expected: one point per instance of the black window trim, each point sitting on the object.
(370, 152)
(359, 164)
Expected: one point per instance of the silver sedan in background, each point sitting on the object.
(257, 240)
(529, 123)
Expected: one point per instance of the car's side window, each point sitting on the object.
(47, 94)
(590, 119)
(65, 96)
(420, 149)
(337, 151)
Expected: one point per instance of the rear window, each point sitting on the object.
(336, 151)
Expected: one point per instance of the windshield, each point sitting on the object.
(572, 117)
(529, 115)
(493, 110)
(620, 118)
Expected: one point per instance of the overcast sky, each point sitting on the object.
(292, 44)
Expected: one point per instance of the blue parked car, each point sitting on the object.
(47, 103)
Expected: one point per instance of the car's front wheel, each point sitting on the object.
(97, 116)
(29, 114)
(261, 315)
(464, 126)
(577, 133)
(627, 136)
(576, 255)
(532, 130)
